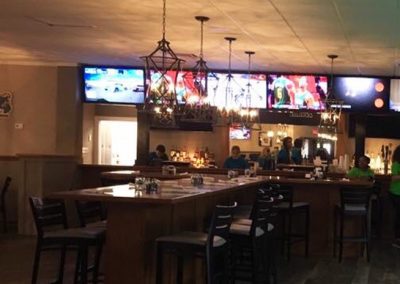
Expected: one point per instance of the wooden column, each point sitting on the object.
(143, 142)
(360, 132)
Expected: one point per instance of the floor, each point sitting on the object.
(17, 254)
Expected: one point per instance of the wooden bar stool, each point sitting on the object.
(354, 203)
(287, 209)
(53, 234)
(210, 246)
(251, 251)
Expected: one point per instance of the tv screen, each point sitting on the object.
(361, 94)
(113, 85)
(237, 132)
(394, 102)
(187, 88)
(297, 92)
(240, 94)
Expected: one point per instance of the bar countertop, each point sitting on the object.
(175, 191)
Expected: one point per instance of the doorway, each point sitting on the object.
(117, 141)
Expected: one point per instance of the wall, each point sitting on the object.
(373, 145)
(217, 141)
(46, 102)
(293, 131)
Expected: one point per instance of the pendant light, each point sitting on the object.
(161, 70)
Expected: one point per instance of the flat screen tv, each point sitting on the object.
(240, 94)
(187, 88)
(238, 132)
(394, 102)
(304, 92)
(362, 94)
(115, 85)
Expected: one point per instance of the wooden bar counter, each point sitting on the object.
(136, 219)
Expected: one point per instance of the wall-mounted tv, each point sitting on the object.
(394, 102)
(297, 91)
(238, 132)
(238, 96)
(116, 85)
(362, 94)
(187, 88)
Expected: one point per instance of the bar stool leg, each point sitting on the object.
(307, 232)
(334, 232)
(61, 265)
(341, 237)
(36, 263)
(179, 270)
(159, 265)
(289, 238)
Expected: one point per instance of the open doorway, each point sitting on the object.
(117, 141)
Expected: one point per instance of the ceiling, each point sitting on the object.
(287, 35)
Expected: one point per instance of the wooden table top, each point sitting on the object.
(175, 191)
(126, 175)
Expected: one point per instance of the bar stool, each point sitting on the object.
(209, 246)
(354, 202)
(251, 250)
(53, 234)
(287, 208)
(92, 214)
(376, 210)
(3, 209)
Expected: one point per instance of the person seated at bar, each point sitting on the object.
(235, 161)
(296, 151)
(156, 157)
(284, 155)
(265, 160)
(362, 171)
(323, 154)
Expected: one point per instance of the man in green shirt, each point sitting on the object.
(363, 170)
(395, 194)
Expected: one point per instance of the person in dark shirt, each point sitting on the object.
(235, 161)
(156, 158)
(265, 160)
(284, 155)
(296, 152)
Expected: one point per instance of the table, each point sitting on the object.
(136, 219)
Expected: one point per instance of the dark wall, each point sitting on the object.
(378, 126)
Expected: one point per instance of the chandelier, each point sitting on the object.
(161, 70)
(197, 107)
(228, 111)
(248, 115)
(333, 108)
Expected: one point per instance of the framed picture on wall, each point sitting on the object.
(5, 103)
(264, 139)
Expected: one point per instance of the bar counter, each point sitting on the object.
(136, 219)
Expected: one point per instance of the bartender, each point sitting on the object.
(285, 154)
(235, 161)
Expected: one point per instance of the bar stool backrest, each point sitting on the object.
(262, 214)
(220, 223)
(286, 193)
(48, 214)
(90, 211)
(355, 197)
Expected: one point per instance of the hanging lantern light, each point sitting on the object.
(161, 69)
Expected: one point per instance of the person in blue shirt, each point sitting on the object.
(235, 161)
(296, 152)
(284, 155)
(265, 161)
